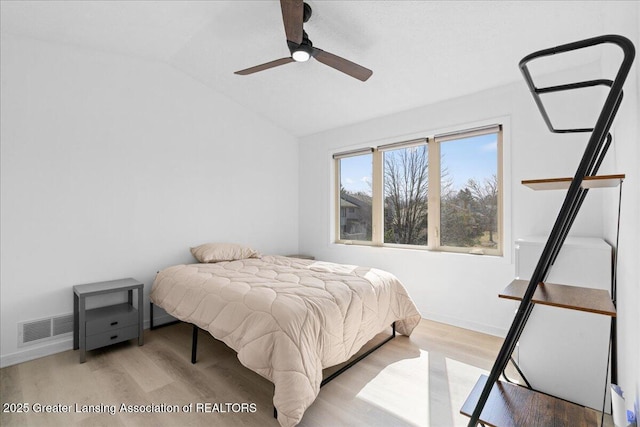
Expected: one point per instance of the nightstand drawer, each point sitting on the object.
(112, 337)
(110, 318)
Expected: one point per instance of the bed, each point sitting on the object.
(287, 318)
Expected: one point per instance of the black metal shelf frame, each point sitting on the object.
(594, 153)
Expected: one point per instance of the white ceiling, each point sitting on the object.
(420, 52)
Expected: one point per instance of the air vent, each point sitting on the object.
(62, 325)
(36, 331)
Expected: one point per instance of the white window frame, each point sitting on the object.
(433, 220)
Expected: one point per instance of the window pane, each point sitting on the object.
(405, 195)
(469, 192)
(355, 197)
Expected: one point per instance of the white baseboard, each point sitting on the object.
(52, 347)
(461, 323)
(36, 352)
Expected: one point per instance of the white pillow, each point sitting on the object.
(216, 252)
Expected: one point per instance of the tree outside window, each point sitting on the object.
(396, 208)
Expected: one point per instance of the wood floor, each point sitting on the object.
(418, 381)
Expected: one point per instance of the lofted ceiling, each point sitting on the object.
(420, 52)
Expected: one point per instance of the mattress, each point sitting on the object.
(287, 318)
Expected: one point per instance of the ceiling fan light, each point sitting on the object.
(300, 55)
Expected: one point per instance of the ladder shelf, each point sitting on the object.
(511, 405)
(564, 296)
(599, 181)
(493, 402)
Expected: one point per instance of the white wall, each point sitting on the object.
(113, 167)
(625, 158)
(459, 289)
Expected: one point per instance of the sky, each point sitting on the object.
(474, 157)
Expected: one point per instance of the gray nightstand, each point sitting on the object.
(110, 324)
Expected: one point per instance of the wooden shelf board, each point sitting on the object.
(511, 405)
(564, 296)
(600, 181)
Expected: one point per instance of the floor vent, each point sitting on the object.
(36, 331)
(62, 325)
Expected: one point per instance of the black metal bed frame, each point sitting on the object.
(325, 381)
(594, 153)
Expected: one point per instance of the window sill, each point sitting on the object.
(444, 250)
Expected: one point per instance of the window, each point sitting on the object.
(355, 172)
(405, 194)
(441, 193)
(469, 192)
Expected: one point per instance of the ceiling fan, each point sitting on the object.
(294, 14)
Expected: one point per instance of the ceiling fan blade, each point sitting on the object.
(341, 64)
(264, 66)
(292, 15)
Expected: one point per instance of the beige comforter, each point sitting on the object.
(287, 318)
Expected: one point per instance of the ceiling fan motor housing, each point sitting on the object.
(306, 14)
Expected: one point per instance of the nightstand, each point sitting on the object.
(310, 257)
(102, 326)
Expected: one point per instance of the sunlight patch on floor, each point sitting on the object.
(461, 377)
(388, 390)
